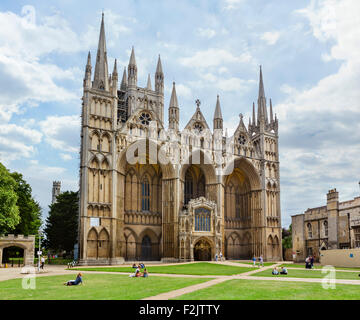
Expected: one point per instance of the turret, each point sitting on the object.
(218, 119)
(124, 84)
(148, 86)
(159, 78)
(114, 78)
(87, 78)
(174, 110)
(132, 70)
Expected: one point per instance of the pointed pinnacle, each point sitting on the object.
(218, 114)
(159, 66)
(115, 68)
(173, 100)
(124, 80)
(148, 86)
(132, 57)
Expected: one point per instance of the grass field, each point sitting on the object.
(294, 273)
(273, 290)
(96, 287)
(318, 267)
(199, 269)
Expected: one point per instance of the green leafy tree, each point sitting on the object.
(9, 211)
(29, 209)
(62, 222)
(287, 237)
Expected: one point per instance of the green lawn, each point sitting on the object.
(273, 290)
(302, 266)
(199, 269)
(294, 273)
(96, 287)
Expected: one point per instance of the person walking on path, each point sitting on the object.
(261, 261)
(220, 256)
(42, 262)
(216, 257)
(254, 261)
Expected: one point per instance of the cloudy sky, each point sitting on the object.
(309, 51)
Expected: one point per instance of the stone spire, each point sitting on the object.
(123, 85)
(148, 86)
(218, 119)
(114, 79)
(271, 113)
(159, 78)
(262, 110)
(87, 78)
(174, 110)
(101, 75)
(132, 70)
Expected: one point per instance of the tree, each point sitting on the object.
(287, 237)
(9, 211)
(62, 222)
(29, 209)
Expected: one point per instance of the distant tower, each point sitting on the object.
(55, 190)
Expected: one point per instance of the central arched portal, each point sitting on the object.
(202, 250)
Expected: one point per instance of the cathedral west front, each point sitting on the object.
(150, 190)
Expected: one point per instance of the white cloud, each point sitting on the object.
(319, 126)
(206, 33)
(62, 133)
(213, 58)
(271, 37)
(17, 142)
(232, 4)
(66, 156)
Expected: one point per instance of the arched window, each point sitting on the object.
(202, 219)
(188, 187)
(237, 203)
(145, 195)
(326, 229)
(309, 227)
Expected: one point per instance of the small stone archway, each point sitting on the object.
(203, 249)
(26, 243)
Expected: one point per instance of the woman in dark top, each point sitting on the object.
(75, 282)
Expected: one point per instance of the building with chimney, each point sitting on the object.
(150, 190)
(333, 226)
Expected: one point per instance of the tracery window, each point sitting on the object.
(357, 237)
(202, 219)
(198, 127)
(145, 195)
(188, 187)
(242, 139)
(237, 204)
(145, 118)
(326, 228)
(309, 227)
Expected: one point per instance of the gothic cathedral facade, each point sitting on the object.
(153, 193)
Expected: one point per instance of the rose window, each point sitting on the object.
(241, 139)
(145, 118)
(198, 127)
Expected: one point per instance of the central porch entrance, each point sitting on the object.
(202, 250)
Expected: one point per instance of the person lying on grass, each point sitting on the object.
(75, 282)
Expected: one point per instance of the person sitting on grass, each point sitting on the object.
(134, 266)
(136, 274)
(75, 282)
(275, 271)
(283, 270)
(145, 274)
(142, 266)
